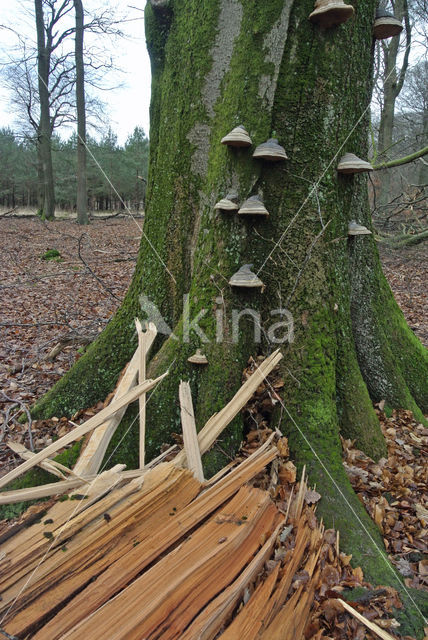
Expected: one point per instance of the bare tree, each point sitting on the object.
(44, 48)
(392, 81)
(45, 92)
(82, 214)
(414, 110)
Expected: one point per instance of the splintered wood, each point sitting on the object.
(160, 557)
(158, 553)
(102, 550)
(81, 430)
(145, 341)
(190, 435)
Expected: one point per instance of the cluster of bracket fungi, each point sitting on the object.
(326, 14)
(330, 13)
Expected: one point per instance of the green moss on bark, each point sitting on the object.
(357, 418)
(94, 375)
(390, 356)
(223, 243)
(409, 354)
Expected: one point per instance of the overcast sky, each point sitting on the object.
(127, 106)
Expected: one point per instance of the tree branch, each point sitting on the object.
(400, 161)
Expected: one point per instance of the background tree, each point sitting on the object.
(267, 66)
(419, 78)
(399, 200)
(44, 50)
(82, 196)
(136, 157)
(48, 96)
(21, 79)
(414, 109)
(392, 74)
(127, 164)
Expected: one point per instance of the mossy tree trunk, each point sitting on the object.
(217, 64)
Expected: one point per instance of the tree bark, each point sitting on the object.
(44, 137)
(215, 65)
(423, 169)
(40, 180)
(82, 197)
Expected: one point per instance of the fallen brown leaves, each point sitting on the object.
(45, 303)
(394, 492)
(406, 272)
(327, 620)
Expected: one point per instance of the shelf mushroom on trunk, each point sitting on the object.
(271, 151)
(198, 358)
(386, 25)
(246, 278)
(350, 163)
(238, 137)
(355, 229)
(228, 203)
(253, 207)
(329, 13)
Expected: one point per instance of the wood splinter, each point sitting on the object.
(145, 341)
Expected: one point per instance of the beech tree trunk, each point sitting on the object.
(217, 64)
(82, 197)
(44, 132)
(40, 180)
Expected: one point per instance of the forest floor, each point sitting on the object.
(70, 297)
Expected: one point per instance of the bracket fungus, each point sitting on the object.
(246, 278)
(386, 25)
(238, 137)
(328, 13)
(198, 358)
(229, 203)
(271, 151)
(253, 207)
(350, 163)
(355, 229)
